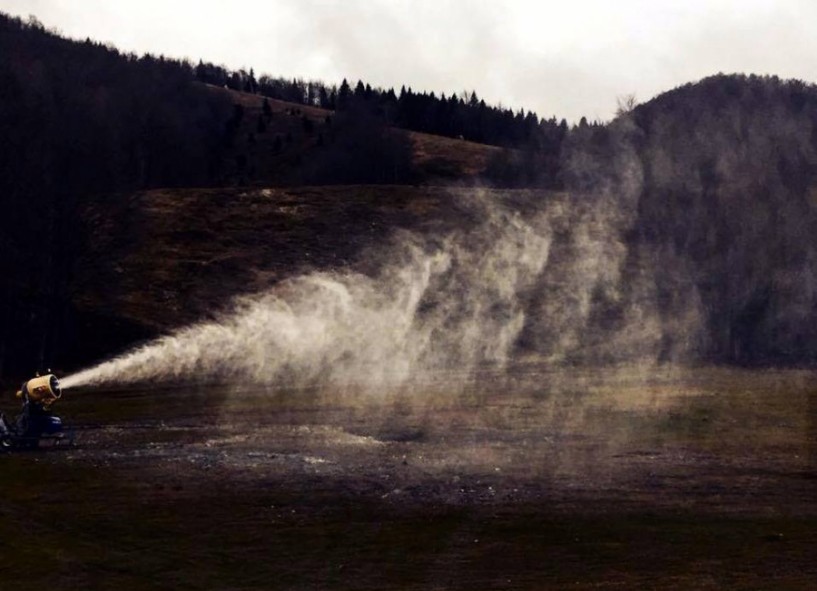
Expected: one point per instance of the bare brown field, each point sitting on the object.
(255, 102)
(536, 478)
(449, 157)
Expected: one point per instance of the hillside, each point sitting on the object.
(680, 238)
(727, 211)
(134, 199)
(166, 257)
(84, 122)
(711, 188)
(160, 259)
(290, 143)
(79, 119)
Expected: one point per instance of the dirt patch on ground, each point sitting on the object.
(530, 480)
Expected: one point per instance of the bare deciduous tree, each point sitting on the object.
(625, 104)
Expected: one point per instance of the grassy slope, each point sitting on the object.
(163, 258)
(435, 157)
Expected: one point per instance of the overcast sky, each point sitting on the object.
(567, 58)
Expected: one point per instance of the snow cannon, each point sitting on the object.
(44, 390)
(36, 423)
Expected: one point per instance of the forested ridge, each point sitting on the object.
(80, 119)
(458, 115)
(728, 211)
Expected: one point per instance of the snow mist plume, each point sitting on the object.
(562, 278)
(454, 301)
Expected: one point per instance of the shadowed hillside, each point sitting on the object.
(80, 119)
(135, 199)
(83, 122)
(701, 243)
(276, 142)
(728, 212)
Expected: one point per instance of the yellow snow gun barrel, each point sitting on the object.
(43, 390)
